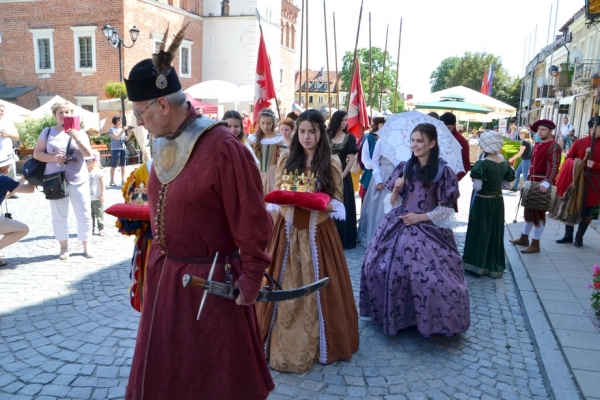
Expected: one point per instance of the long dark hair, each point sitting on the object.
(321, 163)
(427, 173)
(236, 115)
(335, 123)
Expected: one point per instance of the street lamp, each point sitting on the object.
(112, 35)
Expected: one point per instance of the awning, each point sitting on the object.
(569, 99)
(530, 111)
(9, 93)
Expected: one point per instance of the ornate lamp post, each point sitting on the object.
(112, 35)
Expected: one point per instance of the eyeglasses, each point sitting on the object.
(138, 114)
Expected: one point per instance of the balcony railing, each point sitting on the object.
(584, 70)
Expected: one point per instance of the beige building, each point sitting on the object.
(321, 84)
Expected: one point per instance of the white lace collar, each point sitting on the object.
(275, 140)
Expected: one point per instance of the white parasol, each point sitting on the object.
(395, 139)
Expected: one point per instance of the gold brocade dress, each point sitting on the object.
(322, 327)
(270, 149)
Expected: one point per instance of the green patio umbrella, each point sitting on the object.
(454, 103)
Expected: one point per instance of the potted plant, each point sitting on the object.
(29, 131)
(595, 286)
(115, 90)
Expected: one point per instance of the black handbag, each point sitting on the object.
(33, 170)
(55, 185)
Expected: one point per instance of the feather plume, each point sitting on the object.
(177, 40)
(162, 59)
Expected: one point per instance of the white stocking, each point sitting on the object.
(537, 232)
(527, 227)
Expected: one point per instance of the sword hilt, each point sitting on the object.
(191, 280)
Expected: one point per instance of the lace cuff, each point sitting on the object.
(387, 203)
(273, 207)
(339, 211)
(477, 183)
(443, 217)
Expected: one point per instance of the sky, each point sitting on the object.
(435, 29)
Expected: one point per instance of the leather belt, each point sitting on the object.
(208, 260)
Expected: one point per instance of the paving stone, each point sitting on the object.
(80, 392)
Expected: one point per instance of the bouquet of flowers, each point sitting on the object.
(595, 285)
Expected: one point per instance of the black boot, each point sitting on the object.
(580, 232)
(568, 238)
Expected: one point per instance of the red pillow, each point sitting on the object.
(129, 211)
(311, 201)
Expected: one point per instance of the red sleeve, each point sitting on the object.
(574, 149)
(250, 223)
(466, 157)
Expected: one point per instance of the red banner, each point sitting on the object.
(264, 89)
(358, 120)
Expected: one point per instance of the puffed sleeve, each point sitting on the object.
(398, 172)
(447, 193)
(509, 175)
(351, 147)
(251, 225)
(337, 200)
(479, 171)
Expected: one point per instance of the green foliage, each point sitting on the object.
(468, 71)
(510, 148)
(30, 130)
(389, 79)
(115, 90)
(442, 73)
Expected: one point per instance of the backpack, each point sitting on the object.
(33, 170)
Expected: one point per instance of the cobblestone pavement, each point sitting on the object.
(67, 331)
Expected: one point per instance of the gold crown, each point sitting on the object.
(298, 183)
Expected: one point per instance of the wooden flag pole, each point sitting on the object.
(337, 72)
(327, 61)
(306, 83)
(397, 67)
(355, 49)
(370, 71)
(383, 71)
(301, 48)
(261, 38)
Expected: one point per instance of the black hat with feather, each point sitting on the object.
(155, 77)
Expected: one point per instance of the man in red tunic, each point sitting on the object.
(205, 197)
(449, 120)
(591, 168)
(545, 161)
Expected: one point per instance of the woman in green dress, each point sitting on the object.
(484, 245)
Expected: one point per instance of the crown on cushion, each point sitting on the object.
(295, 182)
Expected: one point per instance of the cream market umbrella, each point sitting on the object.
(91, 119)
(395, 139)
(222, 91)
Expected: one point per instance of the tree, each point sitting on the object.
(468, 71)
(442, 73)
(389, 80)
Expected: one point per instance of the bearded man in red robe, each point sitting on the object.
(205, 197)
(579, 150)
(545, 161)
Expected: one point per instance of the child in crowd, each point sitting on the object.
(96, 191)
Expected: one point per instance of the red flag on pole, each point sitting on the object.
(484, 83)
(264, 88)
(358, 120)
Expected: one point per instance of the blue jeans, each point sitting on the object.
(522, 169)
(118, 156)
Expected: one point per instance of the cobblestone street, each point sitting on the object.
(67, 331)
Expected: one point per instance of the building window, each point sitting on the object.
(303, 99)
(85, 52)
(343, 98)
(280, 76)
(89, 103)
(85, 48)
(317, 85)
(282, 28)
(185, 59)
(310, 99)
(325, 85)
(321, 99)
(43, 48)
(287, 34)
(157, 38)
(225, 8)
(293, 46)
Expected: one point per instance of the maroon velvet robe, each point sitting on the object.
(214, 205)
(578, 150)
(465, 153)
(545, 161)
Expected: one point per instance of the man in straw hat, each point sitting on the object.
(11, 231)
(205, 198)
(579, 150)
(545, 161)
